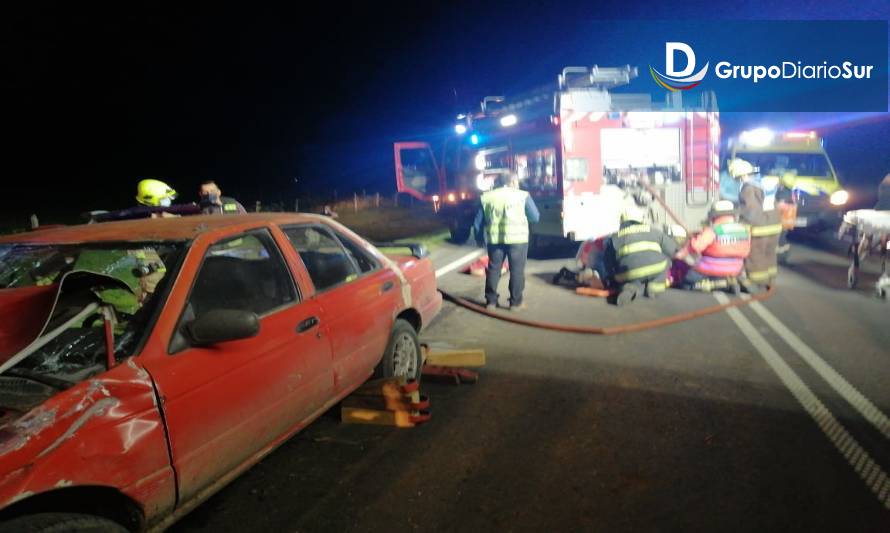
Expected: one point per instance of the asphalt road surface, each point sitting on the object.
(772, 417)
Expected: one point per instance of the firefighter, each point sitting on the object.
(638, 257)
(504, 215)
(758, 210)
(722, 248)
(214, 203)
(154, 193)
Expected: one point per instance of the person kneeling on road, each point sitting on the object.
(505, 214)
(638, 257)
(721, 247)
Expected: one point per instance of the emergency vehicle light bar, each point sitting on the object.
(596, 76)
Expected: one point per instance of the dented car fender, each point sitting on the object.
(104, 431)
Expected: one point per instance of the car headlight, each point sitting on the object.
(839, 197)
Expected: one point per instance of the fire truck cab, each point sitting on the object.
(582, 149)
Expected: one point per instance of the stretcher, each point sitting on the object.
(870, 232)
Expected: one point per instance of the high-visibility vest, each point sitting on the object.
(505, 220)
(638, 252)
(733, 239)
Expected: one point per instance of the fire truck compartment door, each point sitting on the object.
(417, 173)
(641, 148)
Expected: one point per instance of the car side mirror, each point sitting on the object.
(222, 325)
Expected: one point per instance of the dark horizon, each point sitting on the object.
(98, 99)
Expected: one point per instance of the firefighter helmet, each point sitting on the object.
(152, 192)
(740, 167)
(721, 208)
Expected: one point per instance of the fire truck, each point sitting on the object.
(582, 148)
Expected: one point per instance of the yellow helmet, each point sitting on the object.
(152, 192)
(740, 167)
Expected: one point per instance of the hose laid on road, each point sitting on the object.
(612, 330)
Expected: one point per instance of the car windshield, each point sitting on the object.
(779, 164)
(138, 272)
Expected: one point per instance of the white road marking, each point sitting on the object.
(454, 265)
(871, 473)
(866, 408)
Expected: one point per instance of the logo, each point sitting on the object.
(683, 80)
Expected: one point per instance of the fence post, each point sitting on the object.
(377, 200)
(257, 208)
(34, 222)
(296, 205)
(355, 202)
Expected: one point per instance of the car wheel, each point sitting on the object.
(402, 357)
(62, 523)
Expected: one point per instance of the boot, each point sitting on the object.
(628, 294)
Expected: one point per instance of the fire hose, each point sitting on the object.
(612, 330)
(625, 328)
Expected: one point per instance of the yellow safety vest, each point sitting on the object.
(505, 220)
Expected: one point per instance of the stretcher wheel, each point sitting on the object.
(851, 277)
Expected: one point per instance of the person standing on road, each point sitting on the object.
(503, 220)
(214, 203)
(638, 257)
(757, 209)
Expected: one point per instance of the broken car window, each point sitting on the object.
(128, 289)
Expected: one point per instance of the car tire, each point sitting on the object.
(402, 357)
(61, 523)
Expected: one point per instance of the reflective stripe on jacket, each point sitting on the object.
(719, 267)
(640, 252)
(505, 220)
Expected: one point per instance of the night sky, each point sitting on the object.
(96, 98)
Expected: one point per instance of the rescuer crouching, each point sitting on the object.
(638, 258)
(721, 249)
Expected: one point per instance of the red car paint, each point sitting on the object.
(167, 430)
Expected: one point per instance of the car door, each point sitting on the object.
(357, 295)
(225, 403)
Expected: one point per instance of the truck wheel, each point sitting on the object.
(62, 523)
(402, 357)
(459, 234)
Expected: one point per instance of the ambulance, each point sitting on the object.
(799, 160)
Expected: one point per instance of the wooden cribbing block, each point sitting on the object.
(386, 387)
(457, 358)
(402, 419)
(387, 404)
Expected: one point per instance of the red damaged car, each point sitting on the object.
(144, 364)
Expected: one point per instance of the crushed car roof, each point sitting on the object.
(153, 229)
